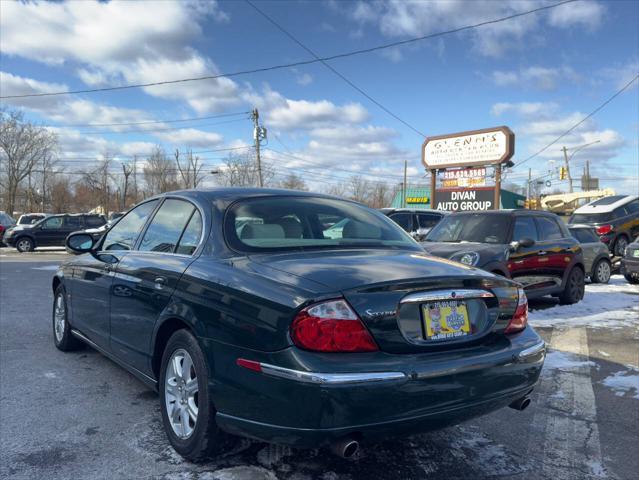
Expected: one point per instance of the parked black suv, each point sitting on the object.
(50, 232)
(533, 247)
(615, 219)
(416, 222)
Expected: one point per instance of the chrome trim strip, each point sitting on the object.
(449, 294)
(329, 378)
(532, 351)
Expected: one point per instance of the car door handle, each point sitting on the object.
(542, 253)
(160, 282)
(108, 267)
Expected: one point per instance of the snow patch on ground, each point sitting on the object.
(48, 267)
(613, 305)
(622, 383)
(564, 361)
(239, 473)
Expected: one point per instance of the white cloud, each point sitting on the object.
(283, 113)
(122, 42)
(66, 109)
(408, 18)
(303, 78)
(622, 74)
(191, 137)
(538, 77)
(585, 13)
(353, 135)
(526, 109)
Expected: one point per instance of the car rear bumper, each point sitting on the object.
(406, 393)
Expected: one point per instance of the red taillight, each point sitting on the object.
(604, 229)
(520, 318)
(331, 326)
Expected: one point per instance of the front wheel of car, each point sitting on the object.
(188, 413)
(62, 336)
(634, 279)
(601, 272)
(25, 244)
(574, 288)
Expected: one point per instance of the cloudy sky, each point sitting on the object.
(539, 74)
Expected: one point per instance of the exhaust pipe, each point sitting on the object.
(345, 447)
(521, 403)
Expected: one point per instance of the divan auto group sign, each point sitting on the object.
(465, 200)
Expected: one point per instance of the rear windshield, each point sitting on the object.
(304, 223)
(471, 227)
(590, 217)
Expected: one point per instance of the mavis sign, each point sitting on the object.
(466, 200)
(490, 146)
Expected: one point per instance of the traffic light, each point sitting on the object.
(562, 173)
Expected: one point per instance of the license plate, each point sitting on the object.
(445, 320)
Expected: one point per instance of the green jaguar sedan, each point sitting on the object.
(252, 316)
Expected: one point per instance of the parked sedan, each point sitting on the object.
(595, 252)
(415, 222)
(249, 320)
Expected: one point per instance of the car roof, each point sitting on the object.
(508, 211)
(231, 194)
(412, 210)
(606, 204)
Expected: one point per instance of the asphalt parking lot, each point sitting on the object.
(78, 415)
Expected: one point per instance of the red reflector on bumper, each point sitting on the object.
(249, 364)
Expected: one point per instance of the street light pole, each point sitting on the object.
(567, 159)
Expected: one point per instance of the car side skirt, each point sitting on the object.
(148, 381)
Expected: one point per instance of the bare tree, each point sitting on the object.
(98, 182)
(293, 182)
(189, 168)
(338, 189)
(240, 170)
(127, 170)
(381, 195)
(359, 189)
(61, 194)
(159, 173)
(22, 146)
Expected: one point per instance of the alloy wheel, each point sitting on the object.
(181, 393)
(59, 318)
(603, 272)
(24, 245)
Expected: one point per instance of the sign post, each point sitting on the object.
(474, 148)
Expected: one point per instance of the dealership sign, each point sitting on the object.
(490, 146)
(466, 200)
(464, 177)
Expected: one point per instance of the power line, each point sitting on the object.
(619, 92)
(332, 69)
(151, 130)
(191, 119)
(300, 63)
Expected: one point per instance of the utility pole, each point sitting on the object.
(529, 182)
(587, 176)
(565, 150)
(405, 186)
(257, 136)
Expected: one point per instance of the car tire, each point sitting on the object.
(194, 439)
(634, 279)
(620, 246)
(24, 244)
(601, 272)
(574, 288)
(62, 336)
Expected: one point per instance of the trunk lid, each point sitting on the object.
(390, 289)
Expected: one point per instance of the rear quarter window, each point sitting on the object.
(548, 229)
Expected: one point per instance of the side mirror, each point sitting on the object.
(79, 243)
(526, 242)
